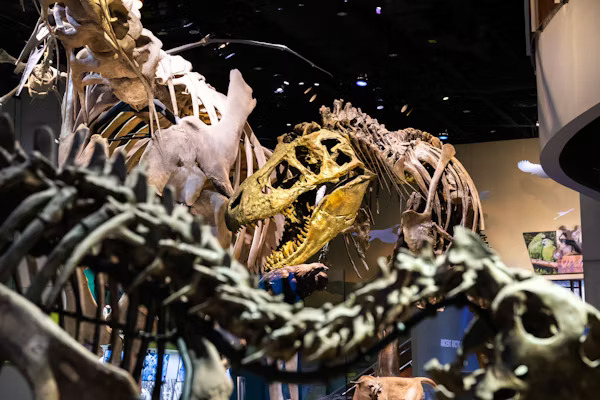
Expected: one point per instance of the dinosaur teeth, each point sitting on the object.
(320, 194)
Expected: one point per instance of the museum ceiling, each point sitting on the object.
(458, 68)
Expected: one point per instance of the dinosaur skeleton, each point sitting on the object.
(318, 176)
(198, 297)
(124, 91)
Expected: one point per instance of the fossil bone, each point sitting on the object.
(164, 259)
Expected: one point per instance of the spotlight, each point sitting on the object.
(537, 123)
(301, 83)
(286, 83)
(446, 98)
(378, 10)
(467, 111)
(279, 90)
(288, 124)
(316, 83)
(229, 56)
(380, 107)
(361, 82)
(443, 137)
(404, 108)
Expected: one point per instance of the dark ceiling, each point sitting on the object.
(411, 52)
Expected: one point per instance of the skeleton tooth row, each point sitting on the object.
(290, 213)
(289, 247)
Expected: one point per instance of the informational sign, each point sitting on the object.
(440, 337)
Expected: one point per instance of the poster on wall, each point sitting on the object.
(555, 252)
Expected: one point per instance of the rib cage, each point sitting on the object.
(407, 158)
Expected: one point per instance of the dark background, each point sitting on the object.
(414, 53)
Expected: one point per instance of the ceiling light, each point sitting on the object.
(313, 97)
(443, 137)
(378, 10)
(342, 14)
(307, 90)
(393, 55)
(286, 83)
(258, 68)
(229, 56)
(493, 131)
(404, 108)
(380, 107)
(446, 98)
(316, 83)
(279, 90)
(467, 111)
(537, 123)
(288, 124)
(361, 82)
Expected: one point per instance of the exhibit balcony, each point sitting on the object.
(566, 52)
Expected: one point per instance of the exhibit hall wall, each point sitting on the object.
(513, 201)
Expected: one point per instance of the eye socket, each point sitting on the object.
(505, 394)
(330, 144)
(287, 176)
(180, 163)
(303, 155)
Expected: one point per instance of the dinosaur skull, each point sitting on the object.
(541, 334)
(316, 181)
(546, 346)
